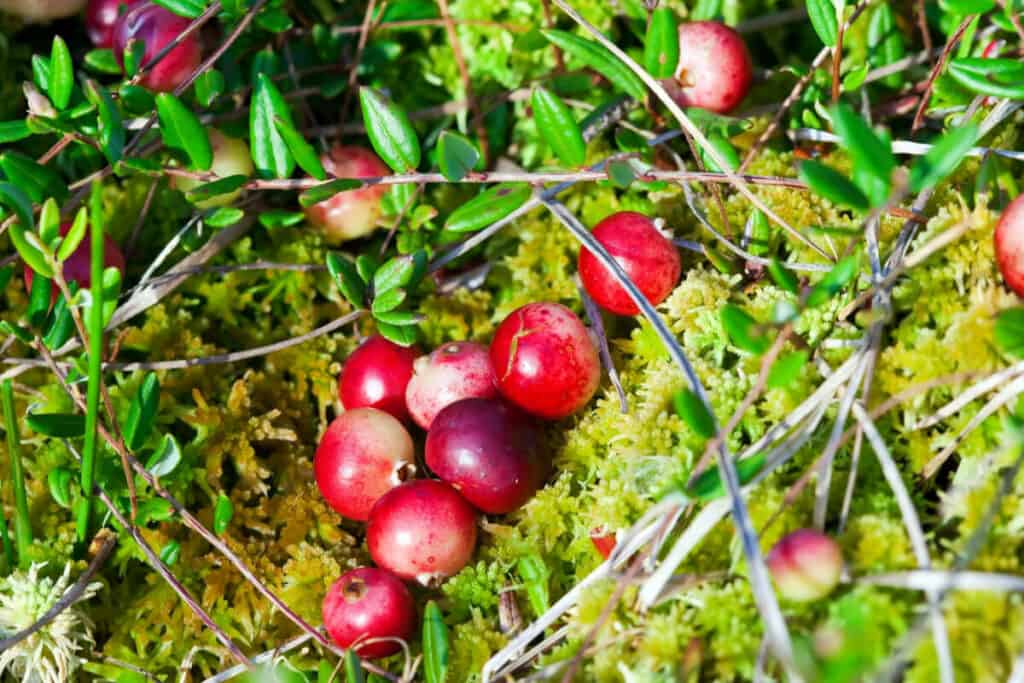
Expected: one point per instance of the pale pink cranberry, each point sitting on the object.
(376, 376)
(450, 373)
(355, 213)
(156, 27)
(1010, 245)
(78, 267)
(366, 604)
(714, 70)
(805, 565)
(100, 17)
(231, 157)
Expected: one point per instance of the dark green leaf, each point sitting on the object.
(222, 514)
(708, 486)
(388, 301)
(274, 19)
(270, 152)
(397, 272)
(366, 266)
(868, 150)
(325, 191)
(822, 14)
(996, 77)
(534, 575)
(28, 247)
(111, 128)
(1009, 332)
(62, 326)
(190, 9)
(885, 42)
(41, 72)
(782, 277)
(661, 44)
(6, 272)
(621, 174)
(353, 668)
(279, 218)
(216, 188)
(601, 60)
(154, 510)
(786, 368)
(347, 278)
(101, 60)
(36, 180)
(209, 85)
(59, 480)
(742, 330)
(182, 130)
(62, 76)
(834, 281)
(58, 425)
(724, 148)
(403, 335)
(39, 300)
(142, 413)
(304, 153)
(390, 132)
(760, 234)
(558, 127)
(165, 458)
(833, 186)
(12, 131)
(169, 553)
(943, 158)
(488, 207)
(456, 155)
(693, 411)
(435, 644)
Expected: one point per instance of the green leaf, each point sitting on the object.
(488, 207)
(833, 186)
(435, 644)
(134, 54)
(59, 481)
(274, 19)
(63, 324)
(943, 158)
(388, 301)
(62, 76)
(964, 7)
(26, 245)
(142, 413)
(353, 668)
(661, 44)
(621, 174)
(1009, 332)
(760, 234)
(456, 155)
(57, 425)
(997, 77)
(21, 333)
(786, 368)
(366, 266)
(49, 223)
(216, 188)
(834, 281)
(822, 14)
(347, 278)
(223, 511)
(601, 60)
(270, 152)
(535, 576)
(784, 278)
(854, 79)
(166, 458)
(111, 284)
(154, 510)
(724, 147)
(558, 127)
(869, 152)
(36, 180)
(304, 153)
(6, 272)
(390, 132)
(325, 191)
(279, 218)
(399, 318)
(208, 86)
(400, 271)
(182, 130)
(403, 335)
(111, 127)
(190, 9)
(885, 42)
(742, 330)
(708, 486)
(170, 553)
(224, 216)
(39, 300)
(692, 410)
(102, 60)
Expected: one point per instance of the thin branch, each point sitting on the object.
(937, 69)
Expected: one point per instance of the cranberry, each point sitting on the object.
(376, 375)
(1010, 245)
(422, 530)
(230, 157)
(368, 603)
(156, 27)
(489, 451)
(100, 17)
(648, 257)
(545, 361)
(39, 11)
(352, 214)
(363, 454)
(604, 541)
(453, 372)
(78, 266)
(805, 565)
(714, 70)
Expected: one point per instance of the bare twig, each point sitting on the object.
(937, 69)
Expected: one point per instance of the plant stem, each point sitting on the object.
(22, 523)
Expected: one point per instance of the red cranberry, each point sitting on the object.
(352, 214)
(490, 452)
(78, 266)
(156, 27)
(100, 17)
(376, 375)
(369, 603)
(604, 541)
(38, 11)
(422, 530)
(545, 361)
(230, 157)
(363, 454)
(648, 257)
(805, 565)
(714, 70)
(1010, 245)
(453, 372)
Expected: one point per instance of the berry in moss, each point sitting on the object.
(366, 604)
(100, 18)
(354, 213)
(450, 373)
(649, 258)
(422, 531)
(230, 157)
(363, 454)
(604, 541)
(157, 27)
(1010, 245)
(714, 70)
(376, 376)
(545, 361)
(805, 565)
(78, 267)
(490, 452)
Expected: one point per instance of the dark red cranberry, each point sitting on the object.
(100, 17)
(805, 565)
(363, 454)
(78, 266)
(649, 258)
(1010, 245)
(714, 70)
(604, 541)
(365, 604)
(422, 531)
(376, 375)
(354, 213)
(490, 452)
(156, 27)
(545, 361)
(452, 372)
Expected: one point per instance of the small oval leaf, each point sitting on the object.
(456, 155)
(558, 127)
(488, 207)
(390, 132)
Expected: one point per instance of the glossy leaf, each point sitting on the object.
(182, 130)
(1009, 332)
(943, 158)
(786, 369)
(62, 75)
(39, 300)
(833, 185)
(304, 153)
(742, 330)
(692, 410)
(111, 283)
(27, 246)
(456, 155)
(725, 150)
(783, 277)
(62, 324)
(208, 86)
(435, 644)
(325, 191)
(390, 132)
(12, 131)
(216, 188)
(49, 223)
(488, 207)
(661, 44)
(57, 425)
(59, 481)
(868, 150)
(224, 216)
(403, 335)
(190, 9)
(558, 128)
(601, 60)
(347, 278)
(400, 271)
(142, 413)
(279, 218)
(270, 152)
(822, 14)
(353, 668)
(965, 7)
(166, 458)
(112, 134)
(988, 76)
(34, 179)
(223, 511)
(708, 486)
(834, 281)
(388, 301)
(170, 553)
(885, 42)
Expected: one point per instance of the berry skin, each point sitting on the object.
(354, 213)
(100, 18)
(41, 11)
(714, 70)
(490, 452)
(77, 267)
(450, 373)
(363, 454)
(1010, 245)
(648, 257)
(422, 531)
(604, 541)
(545, 361)
(805, 565)
(230, 157)
(368, 603)
(156, 27)
(376, 375)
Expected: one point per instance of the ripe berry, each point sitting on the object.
(714, 70)
(100, 17)
(369, 603)
(78, 267)
(545, 361)
(490, 452)
(354, 213)
(156, 27)
(376, 375)
(604, 541)
(422, 530)
(363, 454)
(1010, 245)
(39, 11)
(648, 257)
(451, 373)
(230, 157)
(805, 565)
